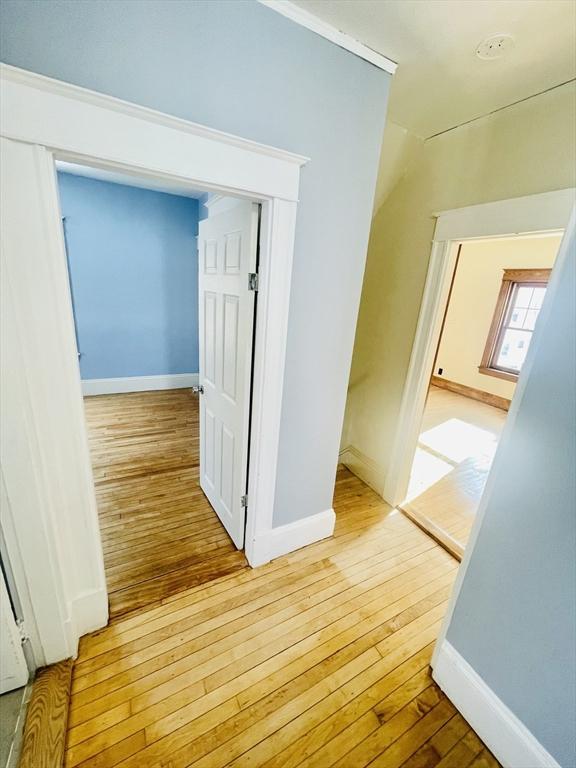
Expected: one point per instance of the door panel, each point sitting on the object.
(227, 247)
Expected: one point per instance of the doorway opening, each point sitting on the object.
(497, 289)
(161, 288)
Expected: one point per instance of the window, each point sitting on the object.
(517, 310)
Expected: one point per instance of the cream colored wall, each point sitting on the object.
(524, 149)
(473, 299)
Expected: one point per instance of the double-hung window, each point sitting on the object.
(514, 320)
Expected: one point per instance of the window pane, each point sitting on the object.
(531, 317)
(523, 296)
(513, 349)
(537, 298)
(517, 318)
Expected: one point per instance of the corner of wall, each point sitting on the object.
(498, 727)
(287, 538)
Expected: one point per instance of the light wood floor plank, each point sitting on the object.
(145, 462)
(319, 658)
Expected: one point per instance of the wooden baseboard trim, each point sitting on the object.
(446, 541)
(471, 392)
(44, 739)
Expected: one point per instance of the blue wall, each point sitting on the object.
(134, 273)
(514, 620)
(238, 66)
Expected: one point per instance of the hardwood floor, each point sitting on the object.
(159, 533)
(319, 658)
(44, 737)
(451, 466)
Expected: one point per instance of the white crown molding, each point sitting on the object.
(327, 31)
(12, 74)
(138, 383)
(498, 727)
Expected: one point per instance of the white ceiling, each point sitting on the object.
(142, 182)
(440, 82)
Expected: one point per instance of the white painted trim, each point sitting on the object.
(329, 32)
(48, 120)
(55, 87)
(498, 727)
(546, 212)
(277, 229)
(565, 252)
(130, 139)
(436, 291)
(364, 467)
(89, 611)
(138, 383)
(287, 538)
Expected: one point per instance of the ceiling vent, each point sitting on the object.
(495, 47)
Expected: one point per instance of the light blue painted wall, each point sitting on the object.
(134, 274)
(238, 66)
(515, 617)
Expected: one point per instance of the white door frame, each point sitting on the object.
(546, 212)
(65, 122)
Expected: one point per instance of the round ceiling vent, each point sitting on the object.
(495, 47)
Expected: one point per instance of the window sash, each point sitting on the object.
(512, 281)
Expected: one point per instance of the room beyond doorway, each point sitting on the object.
(163, 318)
(159, 533)
(497, 290)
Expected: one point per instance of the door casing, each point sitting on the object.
(545, 213)
(45, 120)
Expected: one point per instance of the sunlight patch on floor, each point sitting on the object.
(445, 446)
(457, 440)
(427, 469)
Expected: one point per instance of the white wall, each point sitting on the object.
(474, 294)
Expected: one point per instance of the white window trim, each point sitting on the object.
(65, 122)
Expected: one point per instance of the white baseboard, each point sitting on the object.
(498, 727)
(139, 383)
(89, 612)
(364, 467)
(287, 538)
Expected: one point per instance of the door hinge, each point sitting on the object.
(199, 390)
(24, 637)
(252, 281)
(244, 500)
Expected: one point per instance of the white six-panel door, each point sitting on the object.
(227, 246)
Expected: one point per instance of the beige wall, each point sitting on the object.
(524, 149)
(473, 299)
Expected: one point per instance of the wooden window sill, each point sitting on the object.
(498, 374)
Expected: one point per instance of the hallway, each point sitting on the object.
(159, 533)
(318, 658)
